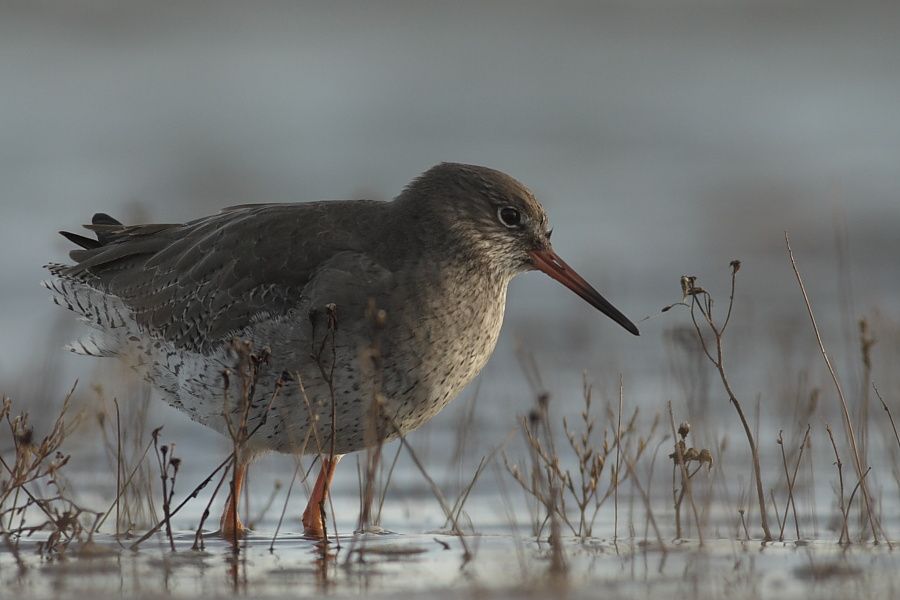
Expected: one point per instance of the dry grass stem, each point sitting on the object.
(790, 480)
(857, 460)
(889, 414)
(551, 489)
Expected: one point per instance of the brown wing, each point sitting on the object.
(196, 284)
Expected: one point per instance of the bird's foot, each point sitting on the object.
(313, 522)
(314, 525)
(232, 529)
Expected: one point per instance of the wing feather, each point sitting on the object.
(195, 283)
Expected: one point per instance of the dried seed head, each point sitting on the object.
(680, 447)
(706, 457)
(687, 282)
(543, 399)
(331, 309)
(263, 357)
(684, 429)
(735, 266)
(25, 438)
(866, 342)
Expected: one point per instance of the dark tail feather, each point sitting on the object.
(80, 240)
(103, 225)
(104, 219)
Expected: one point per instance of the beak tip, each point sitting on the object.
(547, 261)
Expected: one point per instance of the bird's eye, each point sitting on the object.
(509, 216)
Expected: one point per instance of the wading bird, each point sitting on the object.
(373, 315)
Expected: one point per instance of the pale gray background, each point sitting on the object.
(665, 137)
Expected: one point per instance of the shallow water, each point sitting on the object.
(415, 555)
(412, 564)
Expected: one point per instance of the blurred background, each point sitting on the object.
(664, 137)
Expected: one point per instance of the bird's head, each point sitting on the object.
(495, 220)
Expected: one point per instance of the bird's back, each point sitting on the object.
(196, 284)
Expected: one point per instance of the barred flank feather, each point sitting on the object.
(98, 309)
(93, 344)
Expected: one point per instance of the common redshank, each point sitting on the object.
(371, 312)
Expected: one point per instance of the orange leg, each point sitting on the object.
(313, 524)
(231, 522)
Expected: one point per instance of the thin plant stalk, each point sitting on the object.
(705, 308)
(618, 460)
(857, 461)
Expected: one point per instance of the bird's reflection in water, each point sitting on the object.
(325, 560)
(236, 559)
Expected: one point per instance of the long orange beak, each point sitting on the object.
(546, 260)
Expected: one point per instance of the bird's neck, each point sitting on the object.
(433, 244)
